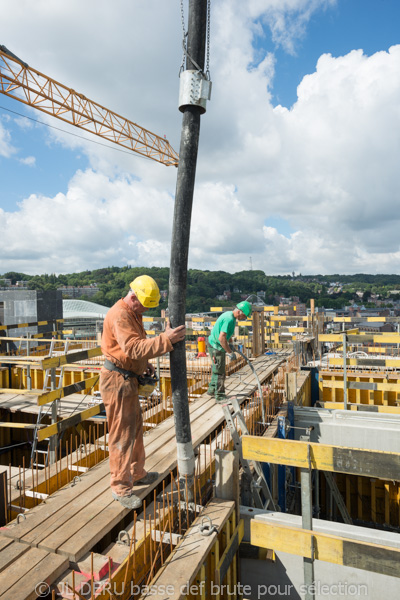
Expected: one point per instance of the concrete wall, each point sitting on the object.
(367, 430)
(283, 577)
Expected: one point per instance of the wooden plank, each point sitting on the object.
(27, 403)
(12, 574)
(338, 459)
(10, 425)
(18, 392)
(63, 539)
(42, 574)
(4, 542)
(206, 405)
(55, 503)
(89, 526)
(62, 522)
(10, 551)
(183, 564)
(328, 548)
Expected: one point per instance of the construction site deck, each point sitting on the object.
(296, 490)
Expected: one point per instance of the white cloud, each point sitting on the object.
(287, 19)
(24, 123)
(92, 224)
(29, 161)
(328, 166)
(6, 147)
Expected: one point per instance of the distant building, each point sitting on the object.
(297, 310)
(376, 312)
(29, 306)
(82, 318)
(79, 291)
(377, 327)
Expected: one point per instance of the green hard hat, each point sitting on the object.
(245, 307)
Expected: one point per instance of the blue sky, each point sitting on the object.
(53, 168)
(306, 183)
(371, 25)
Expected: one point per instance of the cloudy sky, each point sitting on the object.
(299, 152)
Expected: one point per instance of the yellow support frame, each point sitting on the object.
(309, 455)
(68, 422)
(394, 410)
(361, 385)
(67, 390)
(328, 548)
(70, 358)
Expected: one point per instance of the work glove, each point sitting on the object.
(232, 356)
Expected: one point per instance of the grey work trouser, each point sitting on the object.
(217, 384)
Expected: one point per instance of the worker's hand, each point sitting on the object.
(177, 334)
(150, 370)
(232, 356)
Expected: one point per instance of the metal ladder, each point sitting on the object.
(257, 480)
(48, 385)
(338, 497)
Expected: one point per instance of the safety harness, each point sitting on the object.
(147, 383)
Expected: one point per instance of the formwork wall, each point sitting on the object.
(327, 393)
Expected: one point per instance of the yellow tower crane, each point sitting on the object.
(27, 85)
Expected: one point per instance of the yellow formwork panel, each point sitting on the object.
(4, 378)
(331, 390)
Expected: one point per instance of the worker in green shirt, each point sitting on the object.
(218, 346)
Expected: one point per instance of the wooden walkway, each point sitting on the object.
(27, 403)
(73, 519)
(25, 571)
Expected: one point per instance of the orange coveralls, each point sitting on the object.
(124, 343)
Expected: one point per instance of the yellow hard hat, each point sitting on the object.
(146, 291)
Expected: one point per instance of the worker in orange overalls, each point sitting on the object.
(127, 353)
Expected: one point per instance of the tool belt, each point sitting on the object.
(125, 374)
(146, 383)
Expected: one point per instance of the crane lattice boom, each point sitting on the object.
(21, 82)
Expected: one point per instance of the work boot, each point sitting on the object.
(147, 479)
(129, 501)
(221, 399)
(210, 392)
